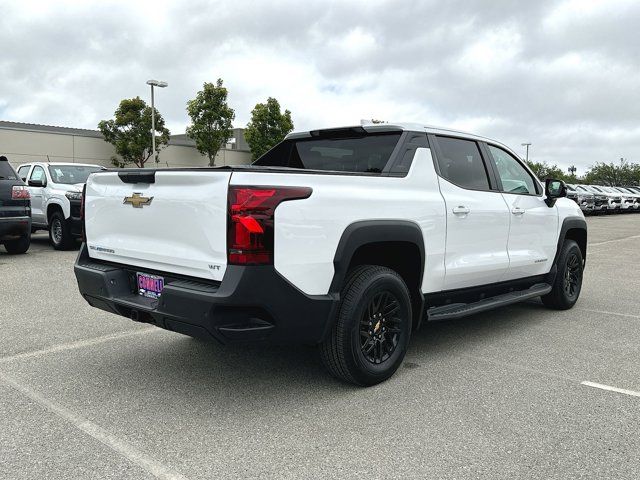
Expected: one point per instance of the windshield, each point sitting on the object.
(570, 188)
(364, 154)
(71, 174)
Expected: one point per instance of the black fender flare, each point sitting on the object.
(569, 223)
(361, 233)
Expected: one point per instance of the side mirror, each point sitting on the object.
(37, 183)
(554, 189)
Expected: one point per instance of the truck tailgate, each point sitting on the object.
(176, 224)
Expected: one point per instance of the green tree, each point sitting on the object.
(543, 170)
(130, 132)
(211, 119)
(268, 127)
(613, 175)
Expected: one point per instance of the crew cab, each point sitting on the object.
(56, 190)
(348, 238)
(15, 210)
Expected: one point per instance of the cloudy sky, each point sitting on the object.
(563, 75)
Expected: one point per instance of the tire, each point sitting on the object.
(19, 246)
(360, 349)
(568, 283)
(60, 232)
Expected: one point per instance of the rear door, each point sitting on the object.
(533, 233)
(477, 216)
(168, 221)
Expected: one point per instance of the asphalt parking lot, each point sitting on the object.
(86, 394)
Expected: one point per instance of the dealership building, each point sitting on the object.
(25, 142)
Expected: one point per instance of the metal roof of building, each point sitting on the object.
(34, 127)
(180, 140)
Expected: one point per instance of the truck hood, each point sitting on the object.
(63, 188)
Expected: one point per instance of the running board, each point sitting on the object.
(457, 310)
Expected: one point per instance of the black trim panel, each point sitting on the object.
(481, 292)
(570, 223)
(147, 176)
(360, 234)
(252, 303)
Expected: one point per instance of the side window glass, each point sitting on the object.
(515, 178)
(22, 172)
(38, 174)
(462, 164)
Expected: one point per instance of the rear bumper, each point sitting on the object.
(14, 227)
(250, 304)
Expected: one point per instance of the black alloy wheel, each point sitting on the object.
(380, 327)
(568, 281)
(372, 328)
(573, 276)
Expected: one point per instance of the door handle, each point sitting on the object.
(461, 210)
(517, 211)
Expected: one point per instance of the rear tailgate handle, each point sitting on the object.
(138, 177)
(517, 211)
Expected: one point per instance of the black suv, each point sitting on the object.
(15, 210)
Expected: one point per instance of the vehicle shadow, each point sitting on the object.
(279, 372)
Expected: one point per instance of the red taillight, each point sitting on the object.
(84, 194)
(20, 193)
(250, 221)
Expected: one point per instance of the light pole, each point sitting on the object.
(161, 84)
(527, 145)
(572, 170)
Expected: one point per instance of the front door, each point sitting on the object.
(477, 216)
(38, 215)
(534, 226)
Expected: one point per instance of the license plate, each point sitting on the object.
(149, 286)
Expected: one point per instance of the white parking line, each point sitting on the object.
(612, 241)
(78, 344)
(605, 312)
(118, 445)
(611, 389)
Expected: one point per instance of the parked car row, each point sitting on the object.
(41, 196)
(598, 199)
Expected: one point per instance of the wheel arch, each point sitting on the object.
(573, 228)
(395, 244)
(52, 207)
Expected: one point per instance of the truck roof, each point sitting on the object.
(396, 126)
(62, 164)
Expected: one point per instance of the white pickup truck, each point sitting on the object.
(348, 238)
(56, 191)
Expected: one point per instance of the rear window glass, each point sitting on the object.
(462, 164)
(6, 171)
(361, 154)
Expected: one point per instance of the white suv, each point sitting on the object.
(348, 238)
(56, 192)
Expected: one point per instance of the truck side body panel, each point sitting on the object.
(308, 231)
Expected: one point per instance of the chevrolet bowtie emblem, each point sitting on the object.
(137, 201)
